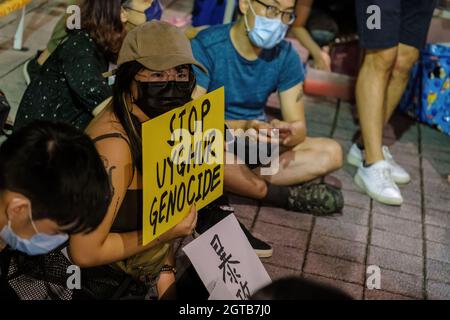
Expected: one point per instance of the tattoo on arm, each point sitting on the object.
(110, 173)
(300, 96)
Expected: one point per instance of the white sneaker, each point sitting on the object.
(400, 176)
(377, 182)
(355, 156)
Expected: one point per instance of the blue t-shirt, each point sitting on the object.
(248, 84)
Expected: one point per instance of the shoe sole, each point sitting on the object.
(401, 180)
(259, 253)
(25, 73)
(389, 201)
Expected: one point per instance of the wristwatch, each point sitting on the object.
(168, 268)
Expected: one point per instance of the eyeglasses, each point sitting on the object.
(273, 12)
(180, 75)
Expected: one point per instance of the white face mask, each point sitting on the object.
(267, 33)
(40, 243)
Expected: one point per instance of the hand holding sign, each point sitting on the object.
(186, 226)
(182, 165)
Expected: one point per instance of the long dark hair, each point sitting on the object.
(132, 126)
(102, 20)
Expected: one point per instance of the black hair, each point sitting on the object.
(122, 91)
(59, 169)
(295, 288)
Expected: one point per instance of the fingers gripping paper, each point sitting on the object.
(182, 162)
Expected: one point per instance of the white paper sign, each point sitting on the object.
(223, 252)
(221, 292)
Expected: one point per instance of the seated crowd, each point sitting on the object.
(121, 69)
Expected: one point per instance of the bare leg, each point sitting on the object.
(239, 179)
(313, 158)
(406, 58)
(370, 97)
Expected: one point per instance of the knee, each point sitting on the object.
(381, 60)
(405, 61)
(332, 156)
(260, 189)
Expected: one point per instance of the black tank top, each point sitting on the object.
(129, 216)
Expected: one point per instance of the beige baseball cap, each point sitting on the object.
(157, 46)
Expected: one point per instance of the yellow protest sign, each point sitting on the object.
(182, 162)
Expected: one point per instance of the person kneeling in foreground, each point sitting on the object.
(52, 184)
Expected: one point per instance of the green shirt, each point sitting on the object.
(69, 86)
(59, 32)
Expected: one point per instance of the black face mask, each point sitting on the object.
(157, 98)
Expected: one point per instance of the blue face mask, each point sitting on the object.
(267, 33)
(39, 244)
(154, 12)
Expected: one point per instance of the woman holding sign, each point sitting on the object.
(151, 80)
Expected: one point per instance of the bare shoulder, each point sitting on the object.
(110, 138)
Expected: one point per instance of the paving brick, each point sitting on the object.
(348, 250)
(437, 234)
(441, 189)
(438, 270)
(398, 226)
(394, 260)
(286, 257)
(353, 290)
(442, 167)
(406, 211)
(351, 215)
(437, 218)
(384, 295)
(402, 283)
(326, 109)
(412, 197)
(416, 180)
(245, 211)
(281, 235)
(437, 203)
(407, 149)
(438, 252)
(341, 230)
(356, 199)
(397, 242)
(344, 133)
(347, 121)
(237, 200)
(409, 161)
(438, 290)
(334, 268)
(246, 222)
(276, 272)
(429, 172)
(346, 180)
(285, 218)
(316, 129)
